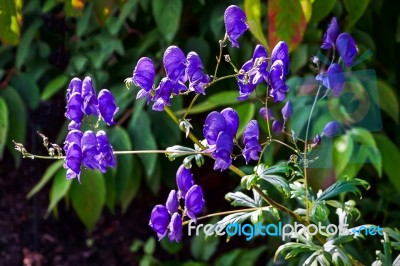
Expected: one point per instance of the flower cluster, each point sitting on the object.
(345, 45)
(167, 219)
(178, 68)
(92, 150)
(255, 71)
(251, 137)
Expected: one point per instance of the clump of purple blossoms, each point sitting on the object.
(167, 220)
(88, 149)
(220, 130)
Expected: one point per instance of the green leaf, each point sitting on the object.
(167, 15)
(150, 246)
(9, 24)
(246, 112)
(26, 43)
(111, 192)
(202, 247)
(88, 197)
(171, 247)
(223, 98)
(252, 9)
(4, 116)
(277, 181)
(54, 86)
(248, 181)
(83, 22)
(306, 6)
(50, 172)
(59, 189)
(16, 120)
(355, 9)
(142, 137)
(126, 10)
(240, 199)
(390, 153)
(299, 58)
(342, 152)
(388, 100)
(321, 9)
(342, 186)
(286, 22)
(27, 89)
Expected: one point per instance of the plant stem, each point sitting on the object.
(225, 213)
(221, 46)
(286, 145)
(305, 153)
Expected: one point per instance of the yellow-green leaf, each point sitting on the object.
(252, 9)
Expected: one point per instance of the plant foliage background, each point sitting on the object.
(104, 220)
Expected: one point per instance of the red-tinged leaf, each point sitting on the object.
(286, 22)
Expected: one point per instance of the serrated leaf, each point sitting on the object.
(355, 9)
(59, 188)
(286, 22)
(50, 172)
(88, 197)
(279, 182)
(167, 15)
(343, 186)
(4, 124)
(53, 87)
(240, 199)
(9, 22)
(252, 9)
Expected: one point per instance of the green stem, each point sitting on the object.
(221, 46)
(286, 145)
(225, 213)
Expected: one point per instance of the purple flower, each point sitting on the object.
(251, 136)
(174, 61)
(159, 220)
(73, 125)
(74, 108)
(105, 156)
(260, 61)
(107, 106)
(264, 112)
(277, 127)
(195, 74)
(73, 160)
(331, 35)
(232, 121)
(184, 180)
(235, 24)
(223, 151)
(172, 202)
(175, 227)
(74, 86)
(317, 140)
(89, 150)
(90, 104)
(214, 124)
(331, 129)
(245, 81)
(143, 77)
(73, 136)
(163, 94)
(333, 79)
(277, 81)
(287, 111)
(194, 202)
(281, 52)
(347, 48)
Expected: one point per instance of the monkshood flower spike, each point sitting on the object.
(333, 79)
(251, 137)
(235, 24)
(347, 48)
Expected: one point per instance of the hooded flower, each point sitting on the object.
(287, 111)
(74, 108)
(90, 104)
(223, 151)
(74, 86)
(235, 24)
(163, 94)
(73, 160)
(195, 74)
(277, 81)
(172, 202)
(317, 140)
(281, 52)
(277, 127)
(194, 202)
(232, 121)
(73, 125)
(174, 61)
(347, 48)
(245, 81)
(333, 79)
(105, 156)
(73, 136)
(251, 136)
(260, 61)
(175, 227)
(107, 106)
(331, 35)
(264, 112)
(331, 129)
(159, 220)
(143, 77)
(89, 150)
(184, 180)
(214, 124)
